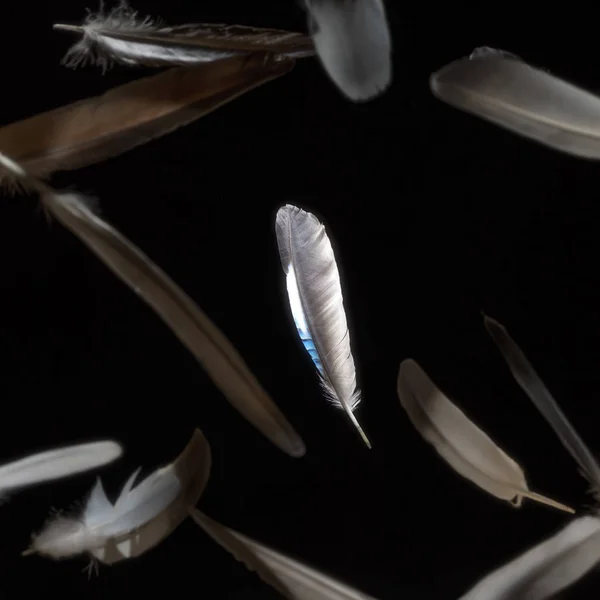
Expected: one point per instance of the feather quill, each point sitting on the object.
(92, 130)
(547, 568)
(531, 383)
(465, 447)
(316, 302)
(501, 88)
(141, 517)
(353, 43)
(58, 463)
(292, 579)
(123, 37)
(186, 320)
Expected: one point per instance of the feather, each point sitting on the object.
(501, 88)
(54, 464)
(141, 517)
(185, 319)
(465, 447)
(538, 393)
(292, 579)
(353, 43)
(92, 130)
(316, 302)
(547, 568)
(123, 37)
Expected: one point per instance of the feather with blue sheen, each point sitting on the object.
(316, 302)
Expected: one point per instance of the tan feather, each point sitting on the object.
(186, 320)
(465, 447)
(92, 130)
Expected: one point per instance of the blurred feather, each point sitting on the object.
(185, 319)
(353, 43)
(292, 579)
(547, 568)
(465, 447)
(317, 305)
(530, 382)
(92, 130)
(122, 36)
(501, 88)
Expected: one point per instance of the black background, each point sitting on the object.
(434, 215)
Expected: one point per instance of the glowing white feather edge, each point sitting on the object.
(531, 383)
(291, 578)
(192, 327)
(134, 524)
(353, 43)
(547, 568)
(463, 445)
(58, 463)
(316, 302)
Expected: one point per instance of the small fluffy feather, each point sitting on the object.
(353, 43)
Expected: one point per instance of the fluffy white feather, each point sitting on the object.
(547, 568)
(317, 305)
(353, 43)
(140, 518)
(54, 464)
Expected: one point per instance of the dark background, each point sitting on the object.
(434, 215)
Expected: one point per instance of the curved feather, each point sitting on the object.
(499, 87)
(531, 383)
(353, 43)
(122, 36)
(547, 568)
(186, 320)
(315, 296)
(465, 447)
(91, 130)
(54, 464)
(291, 578)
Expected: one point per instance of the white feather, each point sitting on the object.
(140, 518)
(353, 42)
(54, 464)
(547, 568)
(316, 302)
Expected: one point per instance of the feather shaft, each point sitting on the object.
(317, 305)
(95, 129)
(186, 320)
(501, 88)
(465, 447)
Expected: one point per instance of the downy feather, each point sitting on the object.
(531, 383)
(123, 37)
(353, 43)
(54, 464)
(291, 578)
(92, 130)
(185, 319)
(547, 568)
(129, 527)
(501, 88)
(465, 447)
(316, 302)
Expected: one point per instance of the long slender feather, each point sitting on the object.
(317, 305)
(185, 319)
(531, 383)
(141, 517)
(499, 87)
(547, 568)
(54, 464)
(92, 130)
(465, 447)
(353, 43)
(122, 36)
(291, 578)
